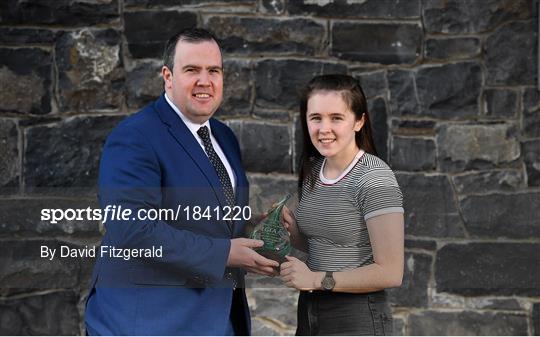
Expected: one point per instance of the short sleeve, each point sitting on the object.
(379, 193)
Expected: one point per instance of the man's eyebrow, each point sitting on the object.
(199, 67)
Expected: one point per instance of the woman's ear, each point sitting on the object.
(359, 123)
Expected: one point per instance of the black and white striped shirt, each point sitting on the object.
(333, 213)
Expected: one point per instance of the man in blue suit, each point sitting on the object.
(174, 155)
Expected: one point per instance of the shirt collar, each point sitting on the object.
(193, 127)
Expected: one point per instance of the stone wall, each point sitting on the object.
(456, 113)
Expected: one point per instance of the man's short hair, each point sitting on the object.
(193, 35)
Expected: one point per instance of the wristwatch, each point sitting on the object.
(328, 281)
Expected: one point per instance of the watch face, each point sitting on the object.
(328, 283)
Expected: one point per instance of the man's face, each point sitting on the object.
(195, 85)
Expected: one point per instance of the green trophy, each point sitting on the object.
(276, 239)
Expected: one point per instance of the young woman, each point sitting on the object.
(349, 217)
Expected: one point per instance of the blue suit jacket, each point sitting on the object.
(152, 161)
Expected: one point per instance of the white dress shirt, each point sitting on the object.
(194, 127)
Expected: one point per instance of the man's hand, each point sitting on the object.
(242, 255)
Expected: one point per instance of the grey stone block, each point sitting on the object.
(430, 207)
(145, 38)
(22, 217)
(376, 43)
(536, 319)
(489, 181)
(454, 48)
(10, 167)
(510, 54)
(413, 154)
(486, 268)
(25, 78)
(247, 35)
(413, 127)
(420, 244)
(462, 17)
(65, 155)
(262, 327)
(22, 268)
(271, 115)
(265, 190)
(403, 96)
(413, 290)
(22, 36)
(531, 113)
(467, 323)
(277, 304)
(373, 83)
(259, 282)
(449, 91)
(238, 88)
(278, 82)
(500, 103)
(496, 303)
(265, 146)
(50, 314)
(531, 156)
(399, 326)
(358, 9)
(90, 74)
(144, 84)
(59, 12)
(186, 3)
(477, 146)
(513, 217)
(272, 6)
(379, 126)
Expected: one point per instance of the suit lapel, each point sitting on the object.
(185, 139)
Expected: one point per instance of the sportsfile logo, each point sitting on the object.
(119, 213)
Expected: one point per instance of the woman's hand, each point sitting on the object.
(295, 274)
(289, 222)
(298, 240)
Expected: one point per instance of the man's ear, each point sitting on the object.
(167, 76)
(359, 123)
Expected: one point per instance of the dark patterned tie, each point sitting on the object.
(218, 165)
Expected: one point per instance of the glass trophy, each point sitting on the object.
(271, 230)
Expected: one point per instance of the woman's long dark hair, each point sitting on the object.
(354, 97)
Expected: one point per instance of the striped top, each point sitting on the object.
(333, 214)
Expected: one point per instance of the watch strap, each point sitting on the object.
(328, 281)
